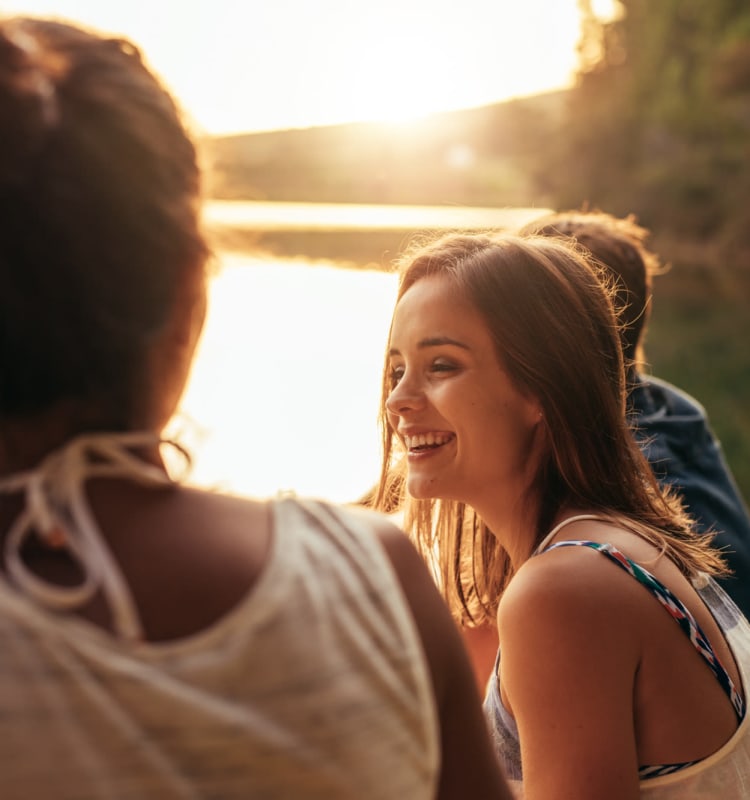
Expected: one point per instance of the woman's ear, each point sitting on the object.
(534, 414)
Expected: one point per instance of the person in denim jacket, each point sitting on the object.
(671, 426)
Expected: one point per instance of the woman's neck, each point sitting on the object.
(26, 441)
(514, 526)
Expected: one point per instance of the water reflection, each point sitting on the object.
(357, 216)
(285, 388)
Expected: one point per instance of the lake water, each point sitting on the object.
(285, 388)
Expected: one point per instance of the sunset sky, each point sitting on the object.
(241, 65)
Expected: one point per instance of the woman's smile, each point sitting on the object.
(422, 443)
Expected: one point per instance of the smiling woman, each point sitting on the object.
(505, 438)
(337, 61)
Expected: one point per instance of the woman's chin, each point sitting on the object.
(422, 488)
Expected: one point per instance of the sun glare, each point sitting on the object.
(422, 58)
(248, 66)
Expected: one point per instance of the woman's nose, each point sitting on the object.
(404, 397)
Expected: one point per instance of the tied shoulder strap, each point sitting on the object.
(57, 510)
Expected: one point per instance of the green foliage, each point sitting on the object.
(659, 121)
(658, 125)
(697, 339)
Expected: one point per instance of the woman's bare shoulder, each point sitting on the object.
(573, 591)
(570, 656)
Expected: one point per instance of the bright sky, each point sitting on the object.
(241, 65)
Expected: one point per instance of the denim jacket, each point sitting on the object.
(674, 433)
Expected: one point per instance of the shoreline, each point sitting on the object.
(353, 235)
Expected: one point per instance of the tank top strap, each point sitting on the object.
(560, 525)
(56, 509)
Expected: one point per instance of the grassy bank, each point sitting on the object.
(697, 339)
(351, 249)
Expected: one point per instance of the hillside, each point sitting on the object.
(470, 157)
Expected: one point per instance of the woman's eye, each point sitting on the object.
(396, 374)
(443, 366)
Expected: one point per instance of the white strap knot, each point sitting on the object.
(56, 509)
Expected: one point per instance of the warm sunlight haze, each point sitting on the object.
(290, 63)
(285, 389)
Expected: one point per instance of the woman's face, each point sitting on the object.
(467, 430)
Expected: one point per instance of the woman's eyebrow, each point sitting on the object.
(432, 341)
(437, 341)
